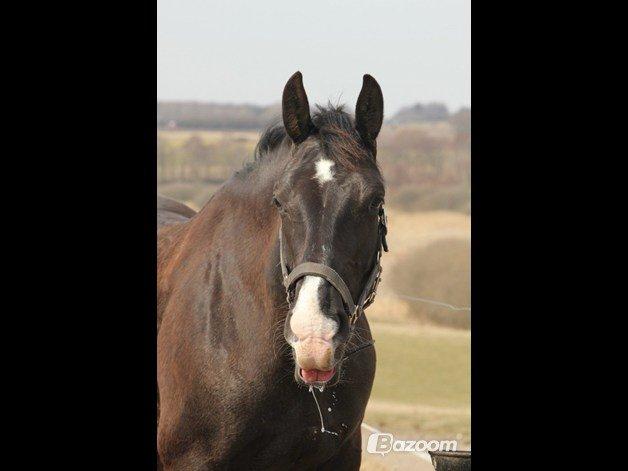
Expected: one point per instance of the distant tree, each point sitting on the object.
(196, 115)
(461, 120)
(164, 157)
(430, 112)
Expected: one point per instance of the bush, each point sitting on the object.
(442, 272)
(411, 198)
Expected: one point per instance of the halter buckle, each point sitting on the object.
(353, 317)
(371, 296)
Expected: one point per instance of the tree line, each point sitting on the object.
(198, 115)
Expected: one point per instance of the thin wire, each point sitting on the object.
(431, 301)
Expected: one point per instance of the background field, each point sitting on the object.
(422, 387)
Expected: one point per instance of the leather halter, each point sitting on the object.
(328, 273)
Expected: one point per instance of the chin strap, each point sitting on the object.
(328, 273)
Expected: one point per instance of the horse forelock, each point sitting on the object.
(335, 136)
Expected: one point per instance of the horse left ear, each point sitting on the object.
(296, 110)
(369, 111)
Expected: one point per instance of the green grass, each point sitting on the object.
(422, 364)
(423, 381)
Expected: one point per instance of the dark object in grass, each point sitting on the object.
(451, 460)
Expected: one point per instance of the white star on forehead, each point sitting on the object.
(323, 170)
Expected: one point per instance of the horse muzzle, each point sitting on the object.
(314, 353)
(314, 361)
(317, 360)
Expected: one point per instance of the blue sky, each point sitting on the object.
(244, 51)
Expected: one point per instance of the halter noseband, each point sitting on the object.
(324, 271)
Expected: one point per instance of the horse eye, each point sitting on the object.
(276, 202)
(375, 204)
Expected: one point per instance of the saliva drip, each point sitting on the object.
(320, 414)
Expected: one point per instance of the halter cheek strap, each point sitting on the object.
(318, 269)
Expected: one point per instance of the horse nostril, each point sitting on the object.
(339, 317)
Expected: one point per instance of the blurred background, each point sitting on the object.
(221, 71)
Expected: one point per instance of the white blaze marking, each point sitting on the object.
(323, 170)
(308, 319)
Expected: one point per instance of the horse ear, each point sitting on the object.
(296, 109)
(369, 111)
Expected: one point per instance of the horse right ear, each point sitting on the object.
(296, 110)
(369, 112)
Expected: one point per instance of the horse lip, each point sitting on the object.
(318, 382)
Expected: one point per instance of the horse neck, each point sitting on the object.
(238, 230)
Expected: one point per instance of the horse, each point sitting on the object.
(170, 212)
(264, 357)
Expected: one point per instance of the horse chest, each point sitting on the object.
(286, 432)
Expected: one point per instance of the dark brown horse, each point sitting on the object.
(238, 352)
